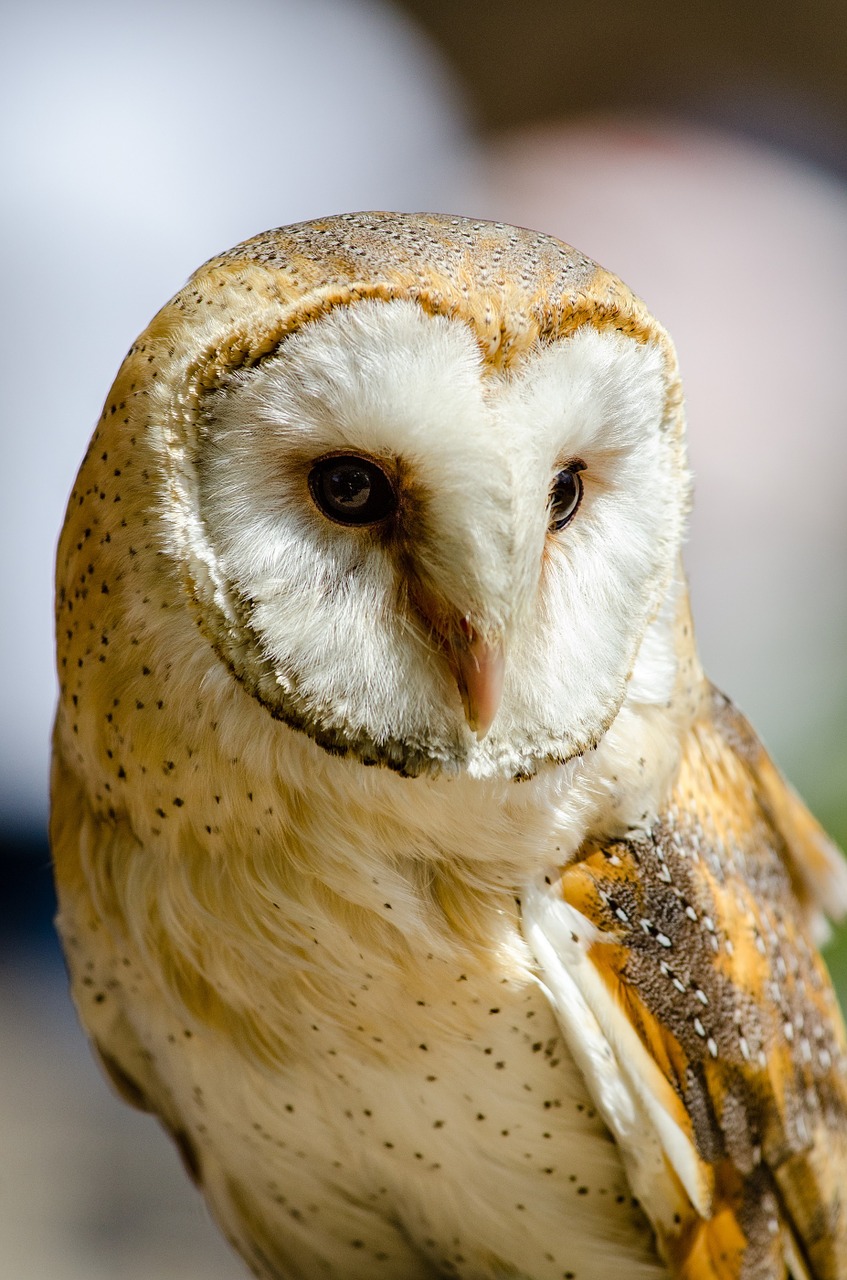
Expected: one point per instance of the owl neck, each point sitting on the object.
(370, 835)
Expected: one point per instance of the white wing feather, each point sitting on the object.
(618, 1071)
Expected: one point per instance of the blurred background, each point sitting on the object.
(699, 151)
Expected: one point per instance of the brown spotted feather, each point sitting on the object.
(706, 951)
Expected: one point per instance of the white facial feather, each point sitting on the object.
(331, 609)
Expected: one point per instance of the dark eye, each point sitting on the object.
(565, 496)
(352, 490)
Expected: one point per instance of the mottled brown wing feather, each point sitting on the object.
(703, 944)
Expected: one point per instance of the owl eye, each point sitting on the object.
(352, 490)
(566, 495)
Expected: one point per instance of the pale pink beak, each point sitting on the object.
(479, 668)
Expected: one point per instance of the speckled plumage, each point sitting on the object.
(315, 968)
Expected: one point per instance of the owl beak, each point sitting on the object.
(479, 667)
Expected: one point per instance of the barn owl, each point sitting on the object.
(409, 868)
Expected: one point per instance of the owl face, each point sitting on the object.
(428, 560)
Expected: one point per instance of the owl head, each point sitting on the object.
(423, 482)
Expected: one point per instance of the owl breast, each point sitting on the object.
(408, 1144)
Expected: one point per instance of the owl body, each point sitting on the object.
(424, 1118)
(409, 868)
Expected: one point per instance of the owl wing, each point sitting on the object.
(85, 849)
(682, 968)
